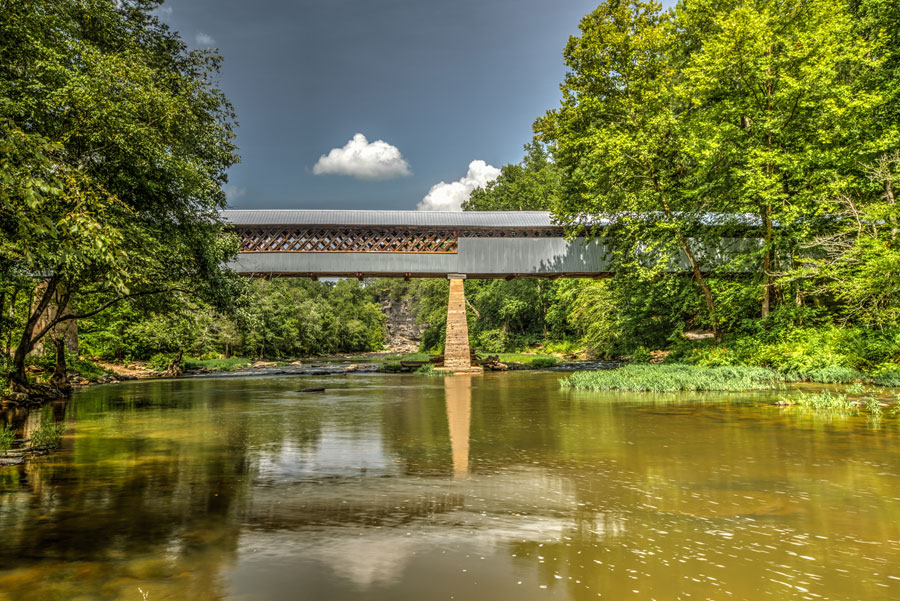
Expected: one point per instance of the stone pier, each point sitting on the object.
(457, 356)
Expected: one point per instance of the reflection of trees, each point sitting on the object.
(589, 492)
(148, 506)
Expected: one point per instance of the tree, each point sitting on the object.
(531, 185)
(776, 118)
(114, 142)
(617, 138)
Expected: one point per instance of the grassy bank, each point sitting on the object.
(675, 378)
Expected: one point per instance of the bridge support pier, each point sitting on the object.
(457, 356)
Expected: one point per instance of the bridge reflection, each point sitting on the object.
(458, 397)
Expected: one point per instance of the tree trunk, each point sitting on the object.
(174, 368)
(768, 281)
(18, 379)
(60, 379)
(707, 292)
(695, 265)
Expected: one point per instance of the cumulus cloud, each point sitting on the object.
(449, 197)
(233, 192)
(204, 39)
(362, 159)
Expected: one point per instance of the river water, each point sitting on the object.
(409, 487)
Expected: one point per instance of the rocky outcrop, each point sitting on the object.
(402, 333)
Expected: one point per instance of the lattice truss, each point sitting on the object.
(546, 232)
(347, 240)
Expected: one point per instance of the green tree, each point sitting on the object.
(617, 138)
(776, 116)
(114, 142)
(531, 185)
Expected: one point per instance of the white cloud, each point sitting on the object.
(449, 197)
(362, 159)
(204, 39)
(233, 192)
(166, 11)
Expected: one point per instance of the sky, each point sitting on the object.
(379, 104)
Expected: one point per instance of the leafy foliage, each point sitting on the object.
(273, 319)
(7, 436)
(48, 435)
(114, 142)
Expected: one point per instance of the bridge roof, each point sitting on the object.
(425, 219)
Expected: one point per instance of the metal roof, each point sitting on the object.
(494, 219)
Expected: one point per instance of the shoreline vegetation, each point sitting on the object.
(693, 378)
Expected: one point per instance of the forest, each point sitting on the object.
(780, 121)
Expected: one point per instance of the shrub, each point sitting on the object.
(543, 362)
(887, 374)
(491, 341)
(87, 369)
(7, 435)
(641, 355)
(159, 361)
(49, 434)
(834, 375)
(391, 367)
(429, 370)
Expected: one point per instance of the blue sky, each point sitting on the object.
(441, 83)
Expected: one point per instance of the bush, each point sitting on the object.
(7, 436)
(160, 361)
(887, 375)
(87, 369)
(543, 362)
(674, 378)
(641, 355)
(429, 370)
(49, 434)
(834, 375)
(491, 341)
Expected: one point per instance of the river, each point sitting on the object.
(411, 487)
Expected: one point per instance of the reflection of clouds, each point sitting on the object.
(366, 532)
(375, 560)
(336, 454)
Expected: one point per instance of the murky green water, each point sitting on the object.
(501, 487)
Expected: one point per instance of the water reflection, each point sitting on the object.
(488, 487)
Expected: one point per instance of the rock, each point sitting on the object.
(352, 367)
(18, 397)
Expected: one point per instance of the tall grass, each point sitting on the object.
(675, 378)
(48, 435)
(7, 435)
